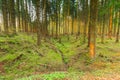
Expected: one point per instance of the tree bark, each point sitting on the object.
(103, 24)
(13, 17)
(118, 30)
(38, 22)
(92, 26)
(5, 15)
(110, 23)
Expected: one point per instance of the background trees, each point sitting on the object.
(55, 18)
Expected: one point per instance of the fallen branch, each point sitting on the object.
(59, 52)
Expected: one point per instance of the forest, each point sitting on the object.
(59, 39)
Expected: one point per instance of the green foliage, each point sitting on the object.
(103, 9)
(2, 78)
(53, 76)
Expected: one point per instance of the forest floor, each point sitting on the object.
(22, 59)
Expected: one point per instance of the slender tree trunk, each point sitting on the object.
(118, 30)
(22, 15)
(103, 24)
(92, 25)
(68, 14)
(9, 14)
(45, 18)
(85, 18)
(5, 15)
(38, 22)
(59, 22)
(56, 13)
(78, 18)
(52, 29)
(115, 24)
(103, 30)
(72, 25)
(13, 17)
(110, 23)
(26, 16)
(18, 13)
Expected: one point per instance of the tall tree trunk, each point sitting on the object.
(68, 14)
(110, 23)
(103, 24)
(9, 14)
(38, 22)
(22, 14)
(92, 25)
(72, 25)
(118, 30)
(18, 12)
(115, 24)
(56, 13)
(26, 15)
(13, 17)
(5, 15)
(78, 18)
(85, 7)
(103, 30)
(59, 22)
(45, 18)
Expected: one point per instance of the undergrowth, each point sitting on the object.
(22, 58)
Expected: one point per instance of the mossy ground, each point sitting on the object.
(22, 59)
